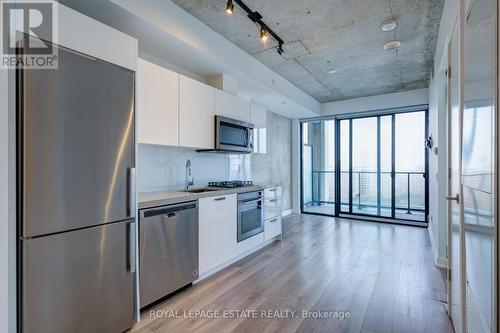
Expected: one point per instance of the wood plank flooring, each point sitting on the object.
(382, 274)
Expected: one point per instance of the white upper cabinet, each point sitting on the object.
(157, 104)
(258, 117)
(196, 114)
(231, 106)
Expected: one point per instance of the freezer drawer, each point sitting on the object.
(79, 281)
(168, 250)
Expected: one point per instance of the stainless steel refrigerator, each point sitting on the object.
(76, 187)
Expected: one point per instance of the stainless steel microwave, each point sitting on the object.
(232, 136)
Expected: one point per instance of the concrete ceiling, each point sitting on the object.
(344, 35)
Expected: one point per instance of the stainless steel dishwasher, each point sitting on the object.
(168, 250)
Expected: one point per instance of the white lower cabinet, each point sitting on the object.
(272, 228)
(272, 212)
(217, 231)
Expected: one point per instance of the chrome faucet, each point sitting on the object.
(188, 173)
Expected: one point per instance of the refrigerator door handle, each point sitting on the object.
(131, 263)
(131, 194)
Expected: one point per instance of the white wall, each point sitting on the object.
(377, 102)
(438, 119)
(438, 164)
(296, 166)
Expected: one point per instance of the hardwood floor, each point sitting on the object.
(382, 274)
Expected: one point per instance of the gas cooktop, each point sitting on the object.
(231, 184)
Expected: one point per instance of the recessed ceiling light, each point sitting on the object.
(332, 71)
(392, 45)
(389, 25)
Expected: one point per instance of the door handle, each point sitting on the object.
(131, 263)
(131, 192)
(245, 139)
(454, 198)
(250, 201)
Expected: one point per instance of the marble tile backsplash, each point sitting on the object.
(162, 168)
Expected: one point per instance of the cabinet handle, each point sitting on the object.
(220, 199)
(273, 200)
(273, 220)
(272, 190)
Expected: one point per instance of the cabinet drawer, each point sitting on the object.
(217, 207)
(273, 193)
(272, 208)
(272, 202)
(272, 228)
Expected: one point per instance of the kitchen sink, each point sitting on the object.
(201, 190)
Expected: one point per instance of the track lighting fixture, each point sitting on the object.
(263, 34)
(229, 7)
(256, 17)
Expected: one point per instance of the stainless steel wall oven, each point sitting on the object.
(250, 214)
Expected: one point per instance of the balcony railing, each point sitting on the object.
(409, 190)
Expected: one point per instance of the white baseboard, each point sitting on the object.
(438, 261)
(287, 212)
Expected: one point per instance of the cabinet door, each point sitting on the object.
(231, 106)
(196, 114)
(158, 104)
(258, 117)
(217, 231)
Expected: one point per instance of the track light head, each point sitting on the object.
(279, 48)
(229, 7)
(256, 17)
(263, 34)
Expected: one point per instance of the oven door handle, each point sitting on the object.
(250, 201)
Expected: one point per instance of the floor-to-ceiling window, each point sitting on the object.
(381, 163)
(318, 167)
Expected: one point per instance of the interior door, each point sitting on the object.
(456, 286)
(478, 156)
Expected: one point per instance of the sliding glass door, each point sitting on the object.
(381, 161)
